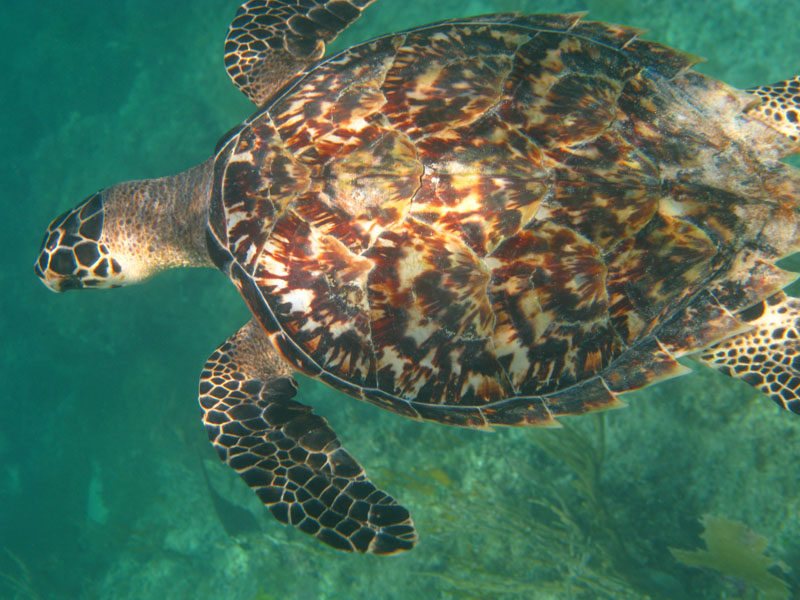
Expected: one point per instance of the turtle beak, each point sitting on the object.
(60, 284)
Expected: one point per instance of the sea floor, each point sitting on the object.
(102, 494)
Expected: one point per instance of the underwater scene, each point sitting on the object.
(109, 488)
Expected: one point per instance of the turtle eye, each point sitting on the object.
(71, 255)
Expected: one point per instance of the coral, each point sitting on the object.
(738, 554)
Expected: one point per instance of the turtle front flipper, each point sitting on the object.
(269, 41)
(290, 457)
(768, 356)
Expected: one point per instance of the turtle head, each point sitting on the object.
(73, 255)
(129, 231)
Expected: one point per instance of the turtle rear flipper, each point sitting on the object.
(768, 356)
(271, 40)
(780, 108)
(290, 457)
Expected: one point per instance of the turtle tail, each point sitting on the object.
(780, 109)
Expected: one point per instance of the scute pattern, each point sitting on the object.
(768, 356)
(72, 253)
(269, 40)
(548, 294)
(257, 195)
(492, 221)
(317, 290)
(485, 182)
(779, 106)
(448, 89)
(655, 271)
(431, 320)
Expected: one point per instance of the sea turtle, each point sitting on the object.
(496, 220)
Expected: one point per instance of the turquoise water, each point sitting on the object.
(101, 490)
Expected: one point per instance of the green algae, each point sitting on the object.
(738, 554)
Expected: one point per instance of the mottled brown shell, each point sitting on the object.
(496, 220)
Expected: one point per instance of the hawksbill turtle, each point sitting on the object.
(497, 220)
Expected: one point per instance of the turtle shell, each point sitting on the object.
(489, 221)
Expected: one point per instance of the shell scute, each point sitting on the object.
(645, 363)
(488, 180)
(655, 271)
(431, 320)
(698, 325)
(343, 91)
(450, 88)
(374, 181)
(615, 36)
(587, 396)
(260, 179)
(549, 297)
(519, 411)
(751, 279)
(316, 288)
(662, 59)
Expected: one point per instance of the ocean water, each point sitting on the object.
(102, 494)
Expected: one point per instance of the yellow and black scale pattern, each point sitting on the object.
(497, 220)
